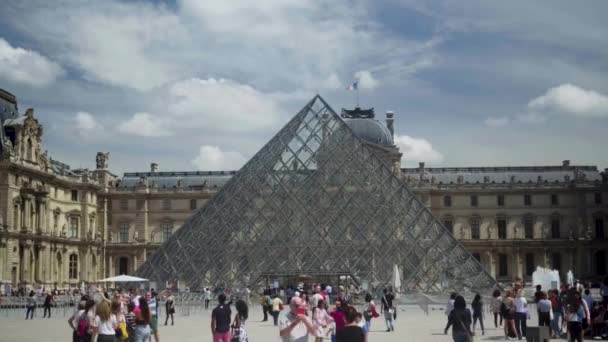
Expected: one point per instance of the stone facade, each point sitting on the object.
(60, 227)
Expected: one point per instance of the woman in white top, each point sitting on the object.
(521, 314)
(322, 321)
(105, 323)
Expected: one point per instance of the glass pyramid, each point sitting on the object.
(316, 201)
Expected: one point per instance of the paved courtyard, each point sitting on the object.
(412, 325)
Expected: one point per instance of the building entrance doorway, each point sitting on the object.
(123, 265)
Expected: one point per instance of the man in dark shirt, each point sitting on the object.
(220, 320)
(388, 309)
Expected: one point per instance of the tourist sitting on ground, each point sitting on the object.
(460, 321)
(350, 332)
(296, 326)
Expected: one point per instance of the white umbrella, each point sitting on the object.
(122, 279)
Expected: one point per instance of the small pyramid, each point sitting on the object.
(316, 201)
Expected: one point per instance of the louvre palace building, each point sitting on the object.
(60, 226)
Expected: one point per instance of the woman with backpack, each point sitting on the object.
(496, 304)
(575, 314)
(105, 323)
(460, 321)
(73, 322)
(142, 321)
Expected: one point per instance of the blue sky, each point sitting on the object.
(204, 84)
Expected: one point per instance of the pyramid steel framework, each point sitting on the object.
(316, 200)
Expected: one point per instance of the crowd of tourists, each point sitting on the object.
(121, 316)
(315, 311)
(570, 311)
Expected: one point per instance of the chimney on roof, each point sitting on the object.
(566, 163)
(390, 122)
(153, 167)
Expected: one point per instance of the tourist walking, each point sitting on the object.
(388, 309)
(460, 321)
(557, 308)
(276, 307)
(220, 320)
(507, 310)
(105, 323)
(450, 305)
(48, 302)
(545, 310)
(207, 298)
(521, 314)
(121, 330)
(170, 308)
(239, 325)
(496, 303)
(337, 314)
(30, 306)
(142, 321)
(296, 326)
(575, 314)
(351, 332)
(322, 321)
(266, 304)
(370, 311)
(477, 306)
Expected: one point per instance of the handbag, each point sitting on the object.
(235, 331)
(281, 307)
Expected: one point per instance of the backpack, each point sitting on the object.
(503, 309)
(82, 326)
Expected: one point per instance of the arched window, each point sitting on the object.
(74, 226)
(166, 229)
(73, 266)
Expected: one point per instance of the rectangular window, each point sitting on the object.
(475, 230)
(449, 225)
(139, 204)
(500, 200)
(75, 195)
(599, 228)
(598, 198)
(166, 229)
(502, 229)
(555, 228)
(503, 267)
(192, 204)
(124, 232)
(530, 267)
(554, 199)
(73, 266)
(477, 256)
(474, 201)
(447, 201)
(529, 227)
(124, 204)
(527, 200)
(166, 204)
(74, 226)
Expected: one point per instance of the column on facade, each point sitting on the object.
(518, 265)
(546, 263)
(110, 268)
(25, 264)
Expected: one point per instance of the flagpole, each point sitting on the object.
(357, 95)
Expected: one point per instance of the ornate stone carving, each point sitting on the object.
(102, 160)
(64, 230)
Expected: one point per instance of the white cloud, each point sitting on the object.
(366, 80)
(496, 121)
(145, 125)
(531, 118)
(417, 150)
(85, 122)
(26, 66)
(212, 158)
(571, 99)
(221, 104)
